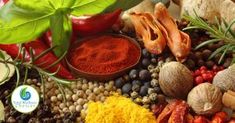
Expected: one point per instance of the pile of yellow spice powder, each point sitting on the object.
(118, 109)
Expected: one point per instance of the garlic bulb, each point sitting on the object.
(225, 79)
(205, 99)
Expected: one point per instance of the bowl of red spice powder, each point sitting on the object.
(103, 57)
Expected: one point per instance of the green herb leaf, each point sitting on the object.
(206, 43)
(61, 29)
(2, 56)
(218, 51)
(91, 7)
(19, 25)
(123, 4)
(39, 6)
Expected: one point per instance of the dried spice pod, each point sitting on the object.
(178, 41)
(205, 99)
(175, 80)
(148, 29)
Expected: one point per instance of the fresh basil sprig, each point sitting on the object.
(25, 20)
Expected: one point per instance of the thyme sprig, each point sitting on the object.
(220, 31)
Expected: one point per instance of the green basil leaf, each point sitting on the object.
(123, 4)
(61, 29)
(39, 6)
(90, 7)
(19, 25)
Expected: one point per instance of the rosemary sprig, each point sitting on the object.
(220, 31)
(62, 83)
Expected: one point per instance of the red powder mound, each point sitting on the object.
(104, 54)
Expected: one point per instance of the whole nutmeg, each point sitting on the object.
(225, 79)
(205, 99)
(175, 80)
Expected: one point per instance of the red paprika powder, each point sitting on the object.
(104, 54)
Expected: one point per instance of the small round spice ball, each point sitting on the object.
(134, 94)
(206, 54)
(146, 62)
(126, 88)
(154, 83)
(145, 75)
(136, 82)
(135, 87)
(75, 97)
(72, 108)
(53, 99)
(134, 74)
(143, 90)
(119, 82)
(145, 53)
(175, 80)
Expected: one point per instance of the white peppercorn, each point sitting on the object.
(75, 97)
(65, 109)
(60, 97)
(53, 99)
(96, 90)
(80, 101)
(78, 108)
(68, 97)
(72, 108)
(79, 85)
(84, 87)
(101, 87)
(80, 93)
(88, 91)
(85, 106)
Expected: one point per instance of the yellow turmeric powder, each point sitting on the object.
(118, 109)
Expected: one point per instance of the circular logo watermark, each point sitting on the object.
(25, 99)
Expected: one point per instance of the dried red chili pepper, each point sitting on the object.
(200, 119)
(189, 118)
(167, 111)
(95, 24)
(13, 51)
(38, 47)
(179, 114)
(48, 39)
(158, 108)
(5, 1)
(232, 121)
(219, 117)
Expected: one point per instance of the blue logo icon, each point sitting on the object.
(25, 95)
